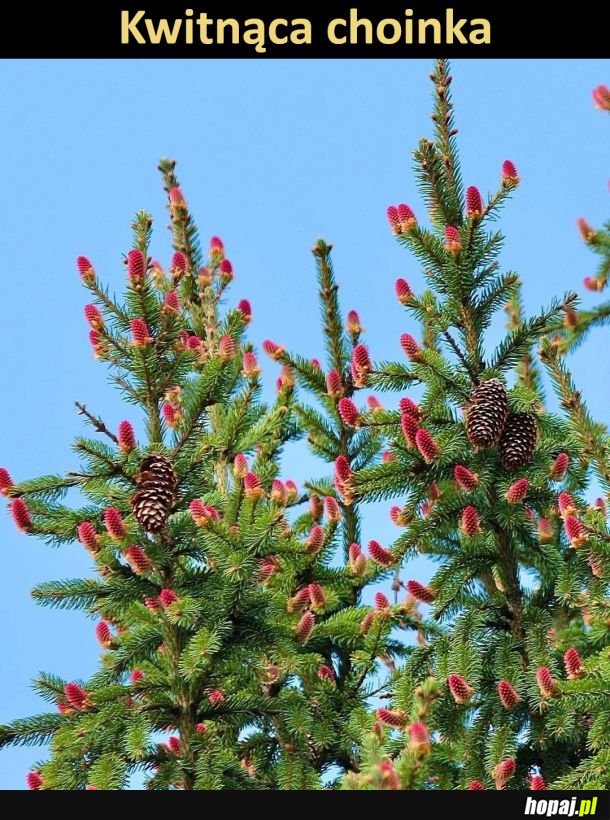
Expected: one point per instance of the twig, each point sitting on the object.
(96, 422)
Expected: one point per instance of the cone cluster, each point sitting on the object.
(156, 494)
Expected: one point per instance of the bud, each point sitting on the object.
(470, 524)
(292, 491)
(137, 676)
(357, 561)
(570, 318)
(475, 786)
(575, 531)
(408, 407)
(397, 517)
(587, 233)
(266, 568)
(394, 718)
(316, 507)
(343, 471)
(76, 696)
(177, 201)
(460, 690)
(403, 291)
(566, 504)
(504, 771)
(174, 744)
(325, 673)
(381, 556)
(138, 560)
(593, 284)
(420, 739)
(226, 271)
(334, 385)
(104, 635)
(420, 592)
(151, 604)
(252, 486)
(560, 467)
(87, 536)
(426, 445)
(245, 309)
(86, 270)
(517, 492)
(300, 601)
(466, 480)
(136, 266)
(179, 265)
(361, 365)
(216, 697)
(393, 219)
(546, 683)
(510, 177)
(474, 203)
(97, 343)
(508, 695)
(353, 323)
(250, 368)
(333, 511)
(381, 601)
(388, 777)
(407, 218)
(126, 437)
(167, 597)
(226, 348)
(601, 97)
(453, 239)
(278, 492)
(317, 596)
(94, 317)
(193, 343)
(315, 540)
(410, 347)
(410, 428)
(240, 465)
(349, 413)
(273, 350)
(139, 333)
(217, 248)
(600, 505)
(114, 524)
(305, 627)
(545, 531)
(388, 457)
(367, 622)
(171, 303)
(6, 482)
(157, 274)
(537, 783)
(573, 664)
(34, 781)
(21, 515)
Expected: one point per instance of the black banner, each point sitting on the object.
(112, 28)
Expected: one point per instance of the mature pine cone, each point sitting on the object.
(156, 494)
(518, 440)
(487, 413)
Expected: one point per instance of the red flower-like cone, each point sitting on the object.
(226, 270)
(250, 367)
(315, 540)
(510, 177)
(266, 568)
(114, 524)
(545, 531)
(508, 695)
(420, 738)
(317, 596)
(410, 427)
(575, 531)
(453, 239)
(179, 264)
(426, 445)
(408, 407)
(174, 744)
(403, 291)
(357, 561)
(278, 492)
(394, 718)
(217, 248)
(560, 467)
(353, 324)
(6, 482)
(380, 555)
(216, 697)
(139, 332)
(381, 601)
(76, 696)
(361, 365)
(350, 415)
(333, 511)
(152, 604)
(226, 347)
(410, 347)
(504, 771)
(193, 343)
(171, 303)
(374, 404)
(85, 269)
(167, 597)
(325, 673)
(21, 515)
(201, 728)
(407, 218)
(475, 786)
(136, 266)
(420, 592)
(587, 233)
(343, 471)
(601, 97)
(316, 507)
(573, 664)
(300, 601)
(393, 219)
(474, 202)
(252, 486)
(397, 517)
(305, 627)
(176, 198)
(334, 385)
(537, 783)
(367, 622)
(566, 504)
(34, 781)
(103, 634)
(88, 536)
(470, 524)
(461, 692)
(137, 676)
(138, 560)
(94, 317)
(466, 480)
(273, 350)
(546, 682)
(517, 492)
(245, 308)
(240, 465)
(126, 437)
(594, 284)
(388, 457)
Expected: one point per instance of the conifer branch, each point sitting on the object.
(95, 422)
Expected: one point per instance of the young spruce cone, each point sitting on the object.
(518, 440)
(156, 494)
(487, 413)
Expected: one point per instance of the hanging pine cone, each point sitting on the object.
(486, 414)
(518, 440)
(156, 494)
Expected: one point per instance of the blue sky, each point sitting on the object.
(272, 155)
